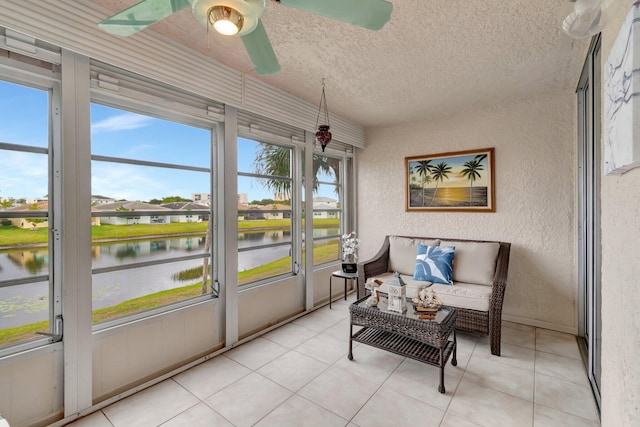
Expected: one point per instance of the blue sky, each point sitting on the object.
(455, 177)
(117, 133)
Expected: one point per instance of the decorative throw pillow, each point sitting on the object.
(434, 264)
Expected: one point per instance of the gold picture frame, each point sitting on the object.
(461, 181)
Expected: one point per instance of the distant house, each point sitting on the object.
(276, 211)
(324, 201)
(186, 211)
(202, 198)
(136, 213)
(248, 213)
(26, 221)
(325, 211)
(35, 200)
(101, 200)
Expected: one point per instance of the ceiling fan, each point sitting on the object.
(242, 17)
(588, 18)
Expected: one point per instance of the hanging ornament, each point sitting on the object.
(323, 136)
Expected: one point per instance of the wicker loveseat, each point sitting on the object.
(479, 279)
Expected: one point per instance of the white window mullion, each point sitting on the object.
(76, 233)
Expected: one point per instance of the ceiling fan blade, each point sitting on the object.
(140, 16)
(260, 51)
(370, 14)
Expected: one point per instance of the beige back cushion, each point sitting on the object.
(473, 262)
(403, 251)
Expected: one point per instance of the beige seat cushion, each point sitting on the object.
(403, 251)
(412, 285)
(464, 295)
(474, 262)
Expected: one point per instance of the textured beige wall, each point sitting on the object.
(620, 272)
(534, 144)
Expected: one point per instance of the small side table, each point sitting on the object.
(342, 275)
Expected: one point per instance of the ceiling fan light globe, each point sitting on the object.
(225, 27)
(226, 20)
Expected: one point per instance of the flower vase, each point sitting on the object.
(349, 265)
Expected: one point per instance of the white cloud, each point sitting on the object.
(126, 121)
(23, 174)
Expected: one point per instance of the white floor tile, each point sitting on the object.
(520, 335)
(451, 420)
(290, 335)
(325, 348)
(547, 417)
(420, 381)
(490, 408)
(97, 419)
(565, 368)
(370, 363)
(498, 376)
(299, 375)
(293, 370)
(565, 396)
(298, 411)
(199, 416)
(557, 343)
(339, 391)
(389, 408)
(248, 400)
(466, 342)
(341, 329)
(152, 406)
(512, 355)
(212, 376)
(316, 321)
(256, 353)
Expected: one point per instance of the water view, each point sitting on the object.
(449, 197)
(29, 303)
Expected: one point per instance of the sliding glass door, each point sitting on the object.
(589, 253)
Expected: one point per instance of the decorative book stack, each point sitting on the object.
(427, 313)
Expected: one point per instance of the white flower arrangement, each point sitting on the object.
(350, 246)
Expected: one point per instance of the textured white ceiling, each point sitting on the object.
(434, 58)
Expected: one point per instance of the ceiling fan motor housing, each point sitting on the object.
(251, 10)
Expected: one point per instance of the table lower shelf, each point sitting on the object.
(404, 346)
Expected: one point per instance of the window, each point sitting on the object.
(26, 205)
(327, 209)
(151, 240)
(264, 211)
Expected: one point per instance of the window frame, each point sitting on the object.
(265, 138)
(139, 104)
(16, 72)
(342, 208)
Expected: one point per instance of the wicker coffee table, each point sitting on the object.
(404, 334)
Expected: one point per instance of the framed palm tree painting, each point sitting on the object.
(457, 181)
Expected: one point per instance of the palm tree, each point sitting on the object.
(472, 170)
(423, 168)
(439, 172)
(276, 161)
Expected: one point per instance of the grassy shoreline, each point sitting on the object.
(18, 238)
(322, 254)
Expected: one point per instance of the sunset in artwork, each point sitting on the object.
(450, 181)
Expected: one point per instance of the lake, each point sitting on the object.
(29, 303)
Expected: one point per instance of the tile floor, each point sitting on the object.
(299, 375)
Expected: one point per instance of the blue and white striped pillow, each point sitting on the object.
(434, 264)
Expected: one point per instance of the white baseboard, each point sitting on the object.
(573, 330)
